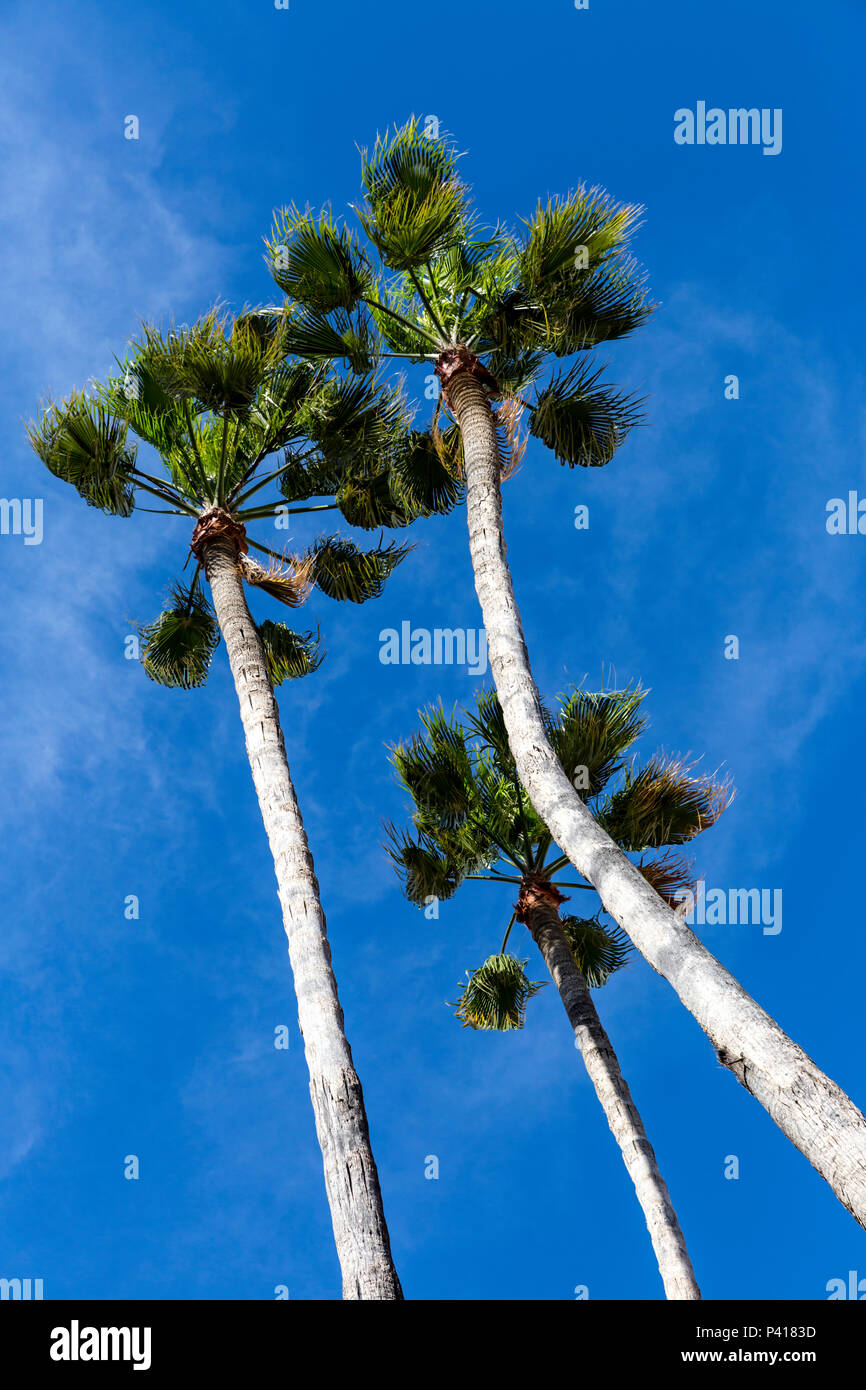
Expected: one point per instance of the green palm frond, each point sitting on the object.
(82, 443)
(304, 477)
(312, 334)
(177, 647)
(581, 422)
(289, 654)
(139, 397)
(494, 997)
(219, 365)
(370, 504)
(565, 233)
(611, 302)
(661, 803)
(344, 572)
(421, 477)
(437, 772)
(355, 421)
(273, 420)
(515, 372)
(488, 723)
(317, 262)
(598, 950)
(395, 310)
(592, 731)
(415, 205)
(425, 871)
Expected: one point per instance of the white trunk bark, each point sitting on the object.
(808, 1107)
(351, 1178)
(622, 1114)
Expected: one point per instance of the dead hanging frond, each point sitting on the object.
(289, 580)
(510, 441)
(671, 876)
(448, 444)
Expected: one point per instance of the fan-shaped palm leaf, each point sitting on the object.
(344, 572)
(177, 647)
(495, 996)
(581, 422)
(316, 261)
(661, 803)
(81, 443)
(289, 654)
(598, 950)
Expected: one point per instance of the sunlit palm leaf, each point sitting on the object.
(81, 443)
(289, 654)
(316, 262)
(581, 422)
(344, 572)
(661, 803)
(495, 996)
(598, 950)
(592, 731)
(177, 647)
(415, 205)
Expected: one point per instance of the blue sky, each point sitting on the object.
(155, 1037)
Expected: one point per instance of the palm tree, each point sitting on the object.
(474, 822)
(491, 309)
(216, 402)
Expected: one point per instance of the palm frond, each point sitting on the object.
(289, 581)
(661, 803)
(289, 654)
(355, 422)
(583, 423)
(316, 262)
(344, 572)
(340, 336)
(598, 950)
(592, 731)
(494, 997)
(436, 770)
(562, 230)
(370, 504)
(415, 204)
(177, 648)
(82, 443)
(425, 870)
(421, 476)
(671, 876)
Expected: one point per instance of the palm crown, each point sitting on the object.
(216, 402)
(428, 282)
(473, 820)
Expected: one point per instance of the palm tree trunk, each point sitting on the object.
(351, 1178)
(626, 1125)
(808, 1107)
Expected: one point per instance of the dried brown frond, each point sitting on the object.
(448, 444)
(671, 876)
(289, 581)
(511, 443)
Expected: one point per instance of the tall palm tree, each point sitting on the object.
(215, 403)
(491, 310)
(474, 822)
